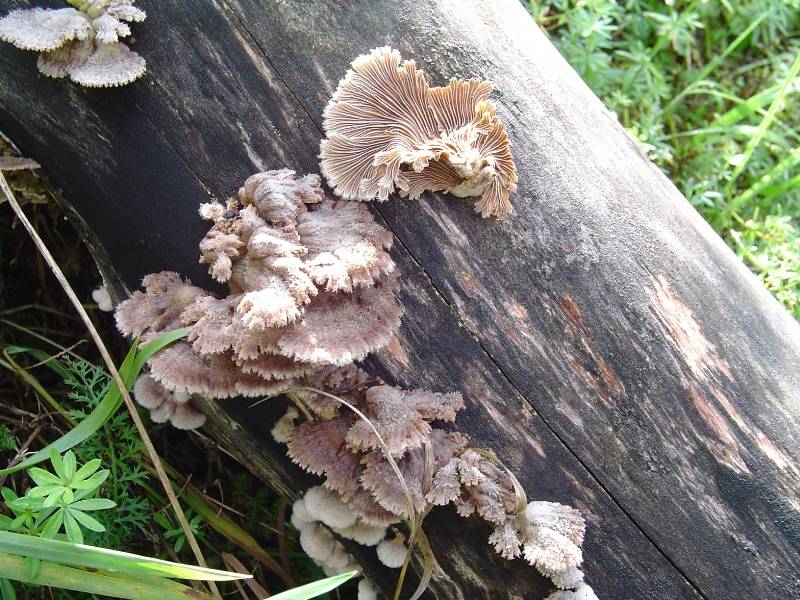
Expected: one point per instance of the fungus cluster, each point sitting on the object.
(166, 405)
(81, 42)
(437, 468)
(387, 129)
(311, 290)
(319, 513)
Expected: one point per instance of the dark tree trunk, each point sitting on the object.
(611, 349)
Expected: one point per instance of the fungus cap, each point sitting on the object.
(328, 508)
(392, 552)
(82, 44)
(583, 592)
(387, 129)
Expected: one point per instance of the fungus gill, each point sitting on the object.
(81, 41)
(387, 129)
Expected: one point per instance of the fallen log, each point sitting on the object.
(611, 349)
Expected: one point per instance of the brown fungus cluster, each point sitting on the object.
(437, 467)
(81, 42)
(311, 290)
(387, 129)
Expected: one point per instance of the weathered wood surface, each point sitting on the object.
(610, 347)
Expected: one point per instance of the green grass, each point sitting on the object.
(710, 90)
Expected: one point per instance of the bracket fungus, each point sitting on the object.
(81, 41)
(388, 130)
(437, 468)
(312, 289)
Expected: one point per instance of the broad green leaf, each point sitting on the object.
(93, 504)
(8, 494)
(312, 590)
(130, 369)
(57, 551)
(86, 520)
(102, 584)
(53, 498)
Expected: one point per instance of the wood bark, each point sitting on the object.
(611, 349)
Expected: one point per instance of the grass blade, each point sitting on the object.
(7, 590)
(713, 64)
(312, 590)
(79, 555)
(766, 121)
(68, 578)
(130, 369)
(766, 180)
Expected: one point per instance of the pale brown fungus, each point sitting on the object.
(387, 130)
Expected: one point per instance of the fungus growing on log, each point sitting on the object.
(311, 290)
(387, 129)
(82, 42)
(437, 468)
(165, 405)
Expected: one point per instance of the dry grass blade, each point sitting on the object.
(414, 523)
(412, 516)
(234, 564)
(416, 536)
(427, 565)
(112, 369)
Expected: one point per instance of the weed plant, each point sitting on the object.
(710, 90)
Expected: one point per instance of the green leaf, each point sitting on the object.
(130, 369)
(86, 520)
(74, 533)
(26, 503)
(18, 522)
(105, 584)
(42, 477)
(93, 504)
(85, 471)
(312, 590)
(57, 551)
(58, 462)
(70, 464)
(8, 494)
(32, 565)
(44, 490)
(53, 524)
(7, 590)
